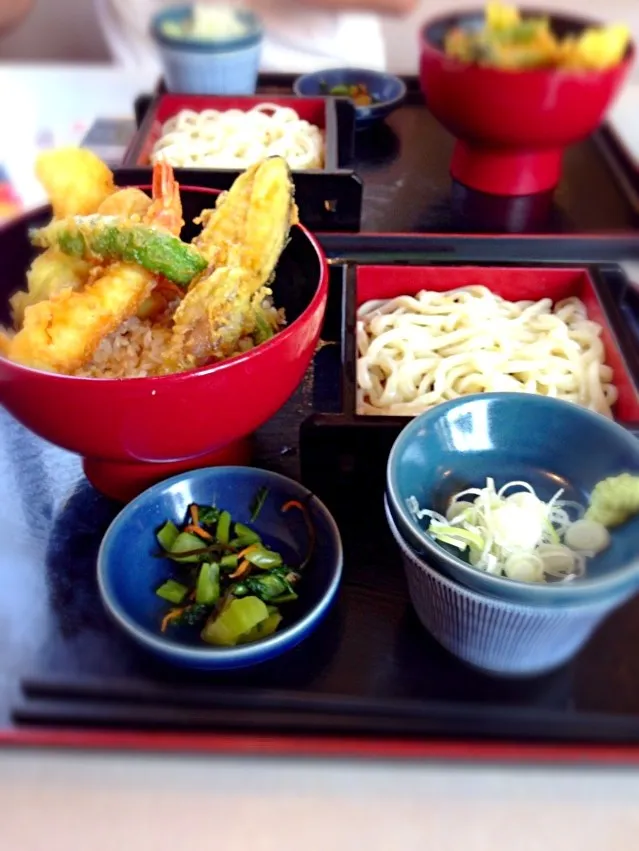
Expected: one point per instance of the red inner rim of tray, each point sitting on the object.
(514, 284)
(312, 110)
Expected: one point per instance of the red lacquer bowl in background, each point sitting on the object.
(133, 432)
(512, 126)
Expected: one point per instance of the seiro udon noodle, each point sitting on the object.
(414, 352)
(238, 139)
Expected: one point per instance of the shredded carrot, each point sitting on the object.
(194, 511)
(199, 531)
(295, 503)
(242, 570)
(171, 616)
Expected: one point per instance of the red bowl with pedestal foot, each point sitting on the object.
(512, 127)
(133, 432)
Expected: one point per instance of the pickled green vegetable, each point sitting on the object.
(245, 536)
(167, 535)
(263, 629)
(263, 558)
(185, 543)
(237, 619)
(207, 590)
(172, 591)
(208, 514)
(230, 584)
(258, 503)
(290, 597)
(269, 586)
(223, 532)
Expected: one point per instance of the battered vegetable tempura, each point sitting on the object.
(50, 273)
(512, 43)
(108, 238)
(75, 180)
(243, 237)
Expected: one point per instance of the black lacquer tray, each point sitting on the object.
(370, 671)
(370, 681)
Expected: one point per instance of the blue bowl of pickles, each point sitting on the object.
(220, 568)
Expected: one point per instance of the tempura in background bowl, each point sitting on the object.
(515, 89)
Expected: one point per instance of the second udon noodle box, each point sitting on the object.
(425, 335)
(134, 431)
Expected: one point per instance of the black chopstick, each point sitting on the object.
(106, 702)
(112, 690)
(134, 716)
(466, 724)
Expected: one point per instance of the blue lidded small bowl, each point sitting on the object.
(387, 90)
(129, 572)
(209, 66)
(546, 442)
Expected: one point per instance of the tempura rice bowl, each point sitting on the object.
(169, 422)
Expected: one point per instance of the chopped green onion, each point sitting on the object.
(454, 535)
(263, 331)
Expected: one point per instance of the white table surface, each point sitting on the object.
(61, 801)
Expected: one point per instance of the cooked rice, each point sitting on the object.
(136, 349)
(133, 351)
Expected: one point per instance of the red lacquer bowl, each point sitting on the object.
(512, 126)
(133, 432)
